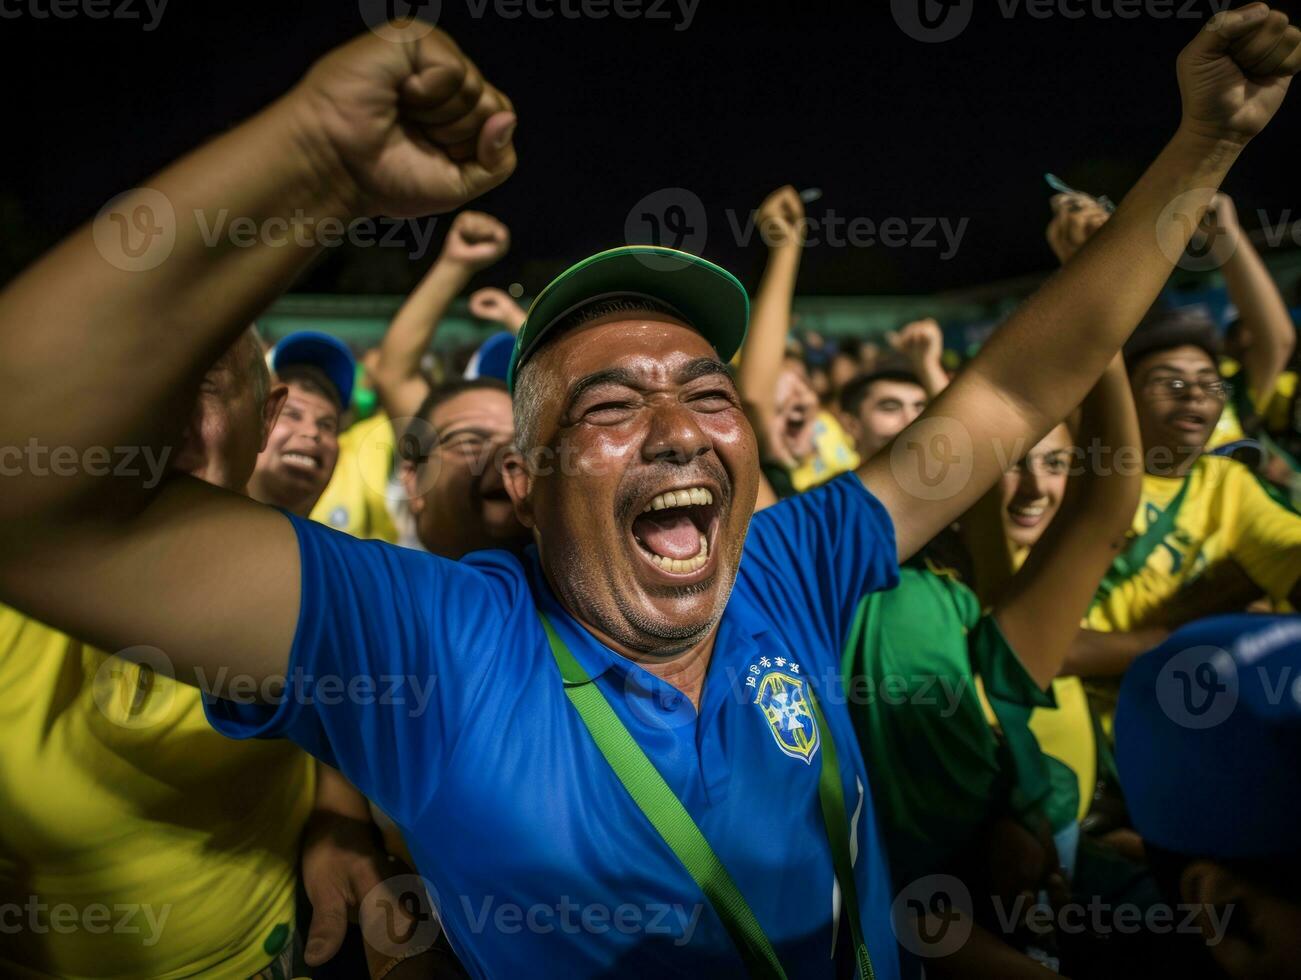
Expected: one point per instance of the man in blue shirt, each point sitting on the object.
(690, 820)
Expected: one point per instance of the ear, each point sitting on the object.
(518, 478)
(853, 428)
(409, 477)
(271, 411)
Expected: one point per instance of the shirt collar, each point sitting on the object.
(741, 625)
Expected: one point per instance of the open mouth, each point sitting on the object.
(301, 461)
(1188, 421)
(676, 531)
(1027, 513)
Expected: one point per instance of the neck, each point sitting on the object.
(1176, 461)
(298, 506)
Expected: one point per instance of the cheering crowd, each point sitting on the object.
(650, 637)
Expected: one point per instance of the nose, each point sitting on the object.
(674, 436)
(1031, 482)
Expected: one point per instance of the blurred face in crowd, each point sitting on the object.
(791, 435)
(232, 416)
(456, 492)
(1178, 407)
(887, 409)
(641, 478)
(298, 461)
(1033, 488)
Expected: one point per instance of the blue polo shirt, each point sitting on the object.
(430, 684)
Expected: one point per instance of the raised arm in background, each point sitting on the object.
(1253, 291)
(375, 127)
(497, 306)
(922, 343)
(475, 241)
(1051, 351)
(781, 226)
(1041, 607)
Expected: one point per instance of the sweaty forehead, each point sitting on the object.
(651, 346)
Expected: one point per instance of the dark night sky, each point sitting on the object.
(613, 110)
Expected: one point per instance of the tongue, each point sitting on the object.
(670, 534)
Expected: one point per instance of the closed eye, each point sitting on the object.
(712, 401)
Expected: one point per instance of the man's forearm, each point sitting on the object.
(97, 322)
(1073, 325)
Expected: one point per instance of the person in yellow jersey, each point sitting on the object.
(134, 840)
(1263, 337)
(356, 500)
(1206, 538)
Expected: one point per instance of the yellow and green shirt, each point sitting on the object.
(354, 501)
(1226, 521)
(833, 454)
(135, 841)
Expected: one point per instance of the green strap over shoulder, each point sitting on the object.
(1130, 561)
(670, 818)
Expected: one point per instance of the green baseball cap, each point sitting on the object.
(704, 295)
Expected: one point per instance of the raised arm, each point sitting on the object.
(922, 342)
(497, 306)
(105, 340)
(1040, 364)
(1254, 293)
(781, 225)
(475, 241)
(1040, 609)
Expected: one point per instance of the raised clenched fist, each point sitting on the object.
(403, 127)
(1234, 74)
(491, 303)
(1075, 218)
(476, 240)
(921, 341)
(781, 218)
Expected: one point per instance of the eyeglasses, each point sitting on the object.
(1175, 387)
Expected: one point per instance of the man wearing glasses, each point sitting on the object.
(1207, 538)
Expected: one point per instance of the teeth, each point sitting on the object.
(300, 458)
(692, 497)
(684, 565)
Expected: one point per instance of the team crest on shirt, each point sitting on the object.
(783, 698)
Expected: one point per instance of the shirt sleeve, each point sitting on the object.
(814, 556)
(388, 660)
(1265, 537)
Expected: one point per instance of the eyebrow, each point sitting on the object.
(701, 367)
(1204, 369)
